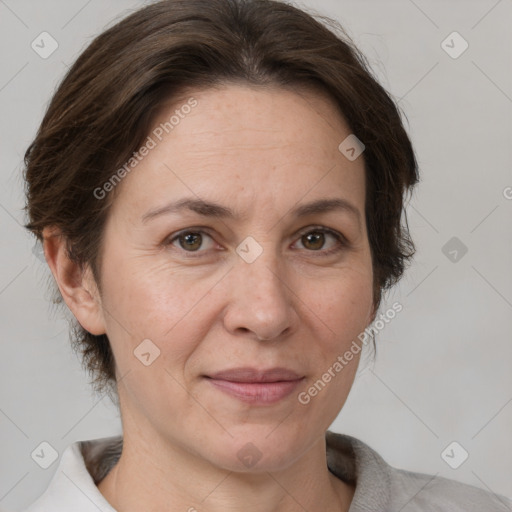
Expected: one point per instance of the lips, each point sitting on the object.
(256, 386)
(247, 374)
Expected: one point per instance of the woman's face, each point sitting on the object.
(257, 282)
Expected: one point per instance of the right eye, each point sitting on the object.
(190, 240)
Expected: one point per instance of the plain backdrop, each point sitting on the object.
(443, 368)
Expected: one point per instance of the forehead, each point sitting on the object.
(244, 144)
(289, 114)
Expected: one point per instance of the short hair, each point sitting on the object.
(103, 110)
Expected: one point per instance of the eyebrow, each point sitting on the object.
(211, 209)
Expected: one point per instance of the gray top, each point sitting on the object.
(379, 486)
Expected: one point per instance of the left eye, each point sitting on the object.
(313, 240)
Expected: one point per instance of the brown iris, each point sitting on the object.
(193, 241)
(316, 238)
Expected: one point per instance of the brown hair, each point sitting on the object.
(103, 110)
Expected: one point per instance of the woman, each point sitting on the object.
(219, 188)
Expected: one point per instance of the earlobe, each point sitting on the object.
(76, 284)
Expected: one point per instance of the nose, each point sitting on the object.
(260, 300)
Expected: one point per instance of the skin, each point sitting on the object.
(262, 152)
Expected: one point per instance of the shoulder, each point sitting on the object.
(382, 487)
(415, 492)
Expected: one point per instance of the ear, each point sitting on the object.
(77, 286)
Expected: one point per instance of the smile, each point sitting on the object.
(256, 387)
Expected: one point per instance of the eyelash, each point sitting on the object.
(341, 241)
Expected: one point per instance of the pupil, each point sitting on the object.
(318, 236)
(189, 240)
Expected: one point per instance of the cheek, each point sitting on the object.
(343, 304)
(142, 301)
(149, 299)
(340, 311)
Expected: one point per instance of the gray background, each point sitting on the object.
(442, 372)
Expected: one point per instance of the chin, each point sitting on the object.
(260, 448)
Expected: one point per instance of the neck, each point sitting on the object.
(157, 476)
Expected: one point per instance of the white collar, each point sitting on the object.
(72, 486)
